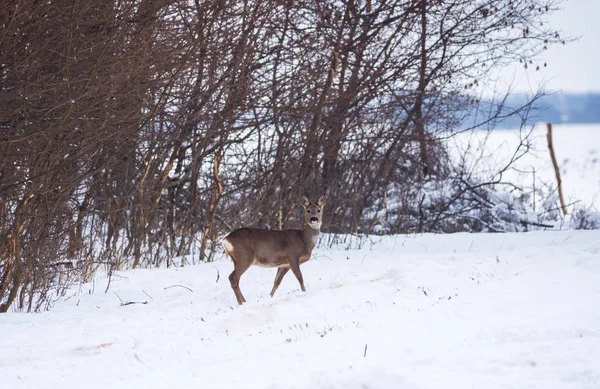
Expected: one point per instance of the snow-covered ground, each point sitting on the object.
(577, 149)
(419, 311)
(427, 311)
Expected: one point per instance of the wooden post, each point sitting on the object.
(556, 169)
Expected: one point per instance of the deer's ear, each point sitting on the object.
(305, 202)
(321, 201)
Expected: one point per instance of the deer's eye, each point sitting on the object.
(318, 210)
(307, 211)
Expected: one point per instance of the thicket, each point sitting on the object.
(133, 132)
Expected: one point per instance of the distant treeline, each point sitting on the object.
(558, 108)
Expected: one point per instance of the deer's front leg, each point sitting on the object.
(278, 277)
(295, 266)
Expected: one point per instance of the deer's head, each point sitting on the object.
(313, 214)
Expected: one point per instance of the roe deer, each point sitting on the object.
(285, 250)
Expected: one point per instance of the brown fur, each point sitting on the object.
(285, 250)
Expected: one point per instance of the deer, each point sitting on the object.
(283, 249)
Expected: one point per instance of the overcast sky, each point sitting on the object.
(574, 67)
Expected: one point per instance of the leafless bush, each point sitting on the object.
(136, 132)
(586, 219)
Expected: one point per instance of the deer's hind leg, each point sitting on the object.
(281, 272)
(239, 268)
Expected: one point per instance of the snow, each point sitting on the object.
(514, 310)
(416, 311)
(577, 149)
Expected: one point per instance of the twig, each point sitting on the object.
(365, 353)
(525, 222)
(134, 302)
(218, 276)
(556, 169)
(554, 209)
(130, 302)
(181, 286)
(118, 297)
(147, 294)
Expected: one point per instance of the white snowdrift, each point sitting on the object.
(431, 311)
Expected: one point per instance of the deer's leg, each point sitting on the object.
(240, 268)
(281, 272)
(295, 266)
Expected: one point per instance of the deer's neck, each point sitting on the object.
(311, 235)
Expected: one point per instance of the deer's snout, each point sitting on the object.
(314, 219)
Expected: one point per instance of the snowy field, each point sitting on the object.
(428, 311)
(577, 149)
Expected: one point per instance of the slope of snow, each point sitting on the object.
(427, 311)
